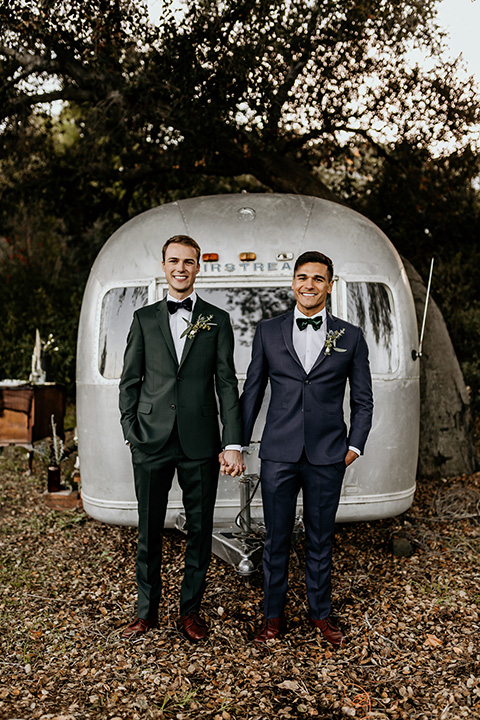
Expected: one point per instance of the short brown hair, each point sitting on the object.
(313, 256)
(182, 240)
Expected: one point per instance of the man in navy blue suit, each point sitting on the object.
(308, 355)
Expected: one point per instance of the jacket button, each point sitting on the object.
(179, 378)
(307, 382)
(173, 407)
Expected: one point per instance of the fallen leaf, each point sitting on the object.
(289, 685)
(432, 641)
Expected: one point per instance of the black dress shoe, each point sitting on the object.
(270, 629)
(139, 627)
(329, 631)
(193, 626)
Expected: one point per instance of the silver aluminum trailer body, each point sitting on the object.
(371, 289)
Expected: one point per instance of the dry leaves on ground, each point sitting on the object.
(67, 586)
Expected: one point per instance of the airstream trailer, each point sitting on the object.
(250, 242)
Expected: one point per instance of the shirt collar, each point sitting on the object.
(193, 296)
(322, 313)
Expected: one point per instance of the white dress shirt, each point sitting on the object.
(308, 344)
(178, 324)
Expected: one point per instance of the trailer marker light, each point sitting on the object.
(247, 214)
(210, 257)
(247, 256)
(284, 256)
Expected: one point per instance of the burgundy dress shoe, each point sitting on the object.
(138, 627)
(194, 627)
(329, 631)
(270, 629)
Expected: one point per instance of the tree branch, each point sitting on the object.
(31, 63)
(293, 72)
(24, 100)
(365, 134)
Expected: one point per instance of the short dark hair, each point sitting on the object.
(182, 240)
(313, 256)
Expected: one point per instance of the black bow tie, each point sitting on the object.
(173, 306)
(316, 323)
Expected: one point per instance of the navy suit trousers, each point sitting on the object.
(321, 486)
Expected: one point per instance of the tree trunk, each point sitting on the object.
(446, 433)
(285, 175)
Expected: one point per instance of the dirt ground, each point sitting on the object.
(67, 586)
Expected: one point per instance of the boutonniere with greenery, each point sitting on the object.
(201, 323)
(331, 341)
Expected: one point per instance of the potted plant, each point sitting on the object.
(53, 454)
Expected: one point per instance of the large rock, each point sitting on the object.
(446, 432)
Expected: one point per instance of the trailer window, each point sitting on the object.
(247, 306)
(370, 305)
(118, 306)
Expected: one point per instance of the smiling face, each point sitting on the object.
(181, 267)
(311, 286)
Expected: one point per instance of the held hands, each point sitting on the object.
(231, 463)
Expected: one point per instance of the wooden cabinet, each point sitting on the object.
(26, 411)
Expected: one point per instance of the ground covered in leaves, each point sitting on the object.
(67, 586)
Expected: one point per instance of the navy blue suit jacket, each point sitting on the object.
(306, 409)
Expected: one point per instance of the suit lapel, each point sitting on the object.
(197, 310)
(287, 332)
(162, 318)
(331, 325)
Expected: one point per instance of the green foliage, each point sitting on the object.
(37, 301)
(431, 208)
(43, 275)
(103, 116)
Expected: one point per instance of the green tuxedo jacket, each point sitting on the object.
(156, 390)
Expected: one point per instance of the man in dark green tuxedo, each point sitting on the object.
(168, 404)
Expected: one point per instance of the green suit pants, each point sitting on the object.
(198, 481)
